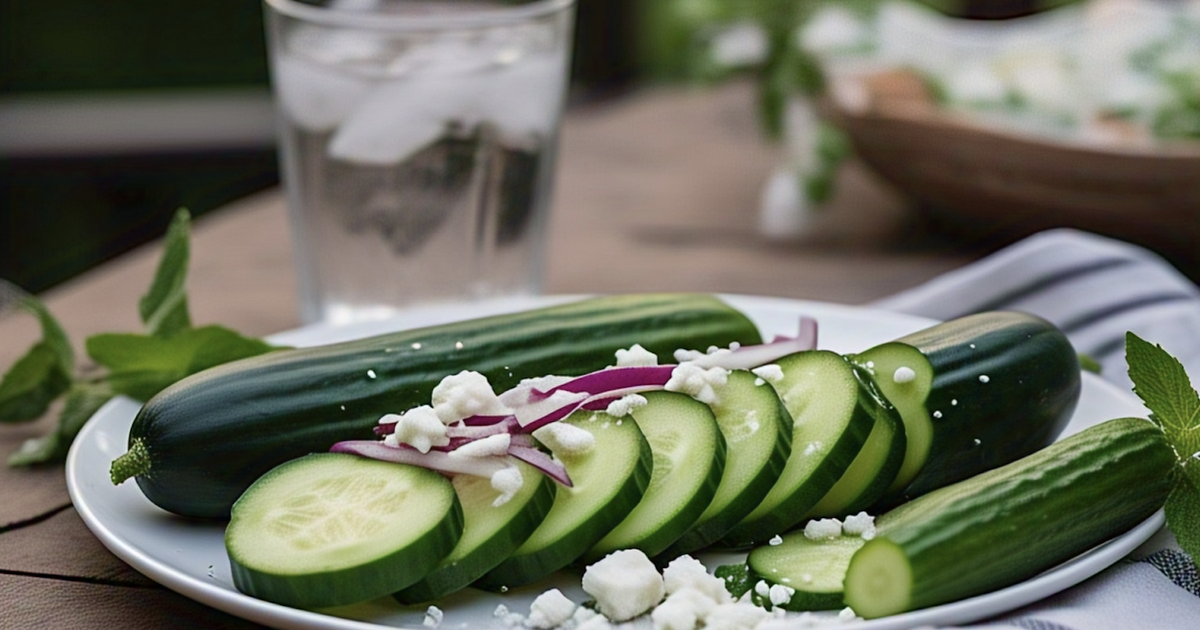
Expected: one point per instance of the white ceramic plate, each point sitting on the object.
(189, 557)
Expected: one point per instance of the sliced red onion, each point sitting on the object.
(542, 461)
(747, 357)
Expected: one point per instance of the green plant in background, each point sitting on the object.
(137, 365)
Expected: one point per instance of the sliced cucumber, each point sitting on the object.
(1009, 524)
(814, 568)
(689, 456)
(758, 439)
(874, 468)
(832, 417)
(979, 391)
(490, 532)
(331, 529)
(609, 480)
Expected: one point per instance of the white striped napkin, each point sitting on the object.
(1095, 289)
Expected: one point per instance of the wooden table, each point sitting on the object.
(656, 191)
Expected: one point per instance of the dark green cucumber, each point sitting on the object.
(834, 409)
(196, 446)
(758, 439)
(986, 389)
(1009, 524)
(330, 529)
(490, 532)
(608, 482)
(689, 456)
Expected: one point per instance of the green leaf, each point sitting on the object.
(140, 366)
(32, 384)
(1163, 385)
(737, 577)
(82, 402)
(164, 308)
(40, 376)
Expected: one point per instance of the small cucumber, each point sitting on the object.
(974, 393)
(833, 411)
(254, 414)
(758, 439)
(490, 532)
(608, 481)
(1009, 524)
(331, 529)
(689, 456)
(815, 569)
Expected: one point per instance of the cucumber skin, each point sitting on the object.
(1034, 383)
(1007, 525)
(208, 437)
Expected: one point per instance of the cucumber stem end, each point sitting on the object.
(131, 464)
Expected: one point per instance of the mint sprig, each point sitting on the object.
(1160, 380)
(138, 365)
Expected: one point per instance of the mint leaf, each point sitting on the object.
(82, 402)
(1163, 385)
(164, 308)
(31, 384)
(140, 366)
(44, 372)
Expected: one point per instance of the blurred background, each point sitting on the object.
(114, 114)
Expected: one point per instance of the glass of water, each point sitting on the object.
(418, 143)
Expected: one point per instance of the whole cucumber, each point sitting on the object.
(197, 445)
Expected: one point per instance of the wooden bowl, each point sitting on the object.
(984, 179)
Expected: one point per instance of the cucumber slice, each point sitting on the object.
(490, 532)
(758, 439)
(331, 529)
(874, 468)
(689, 456)
(814, 568)
(609, 480)
(832, 417)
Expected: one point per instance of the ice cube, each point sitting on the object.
(523, 98)
(314, 96)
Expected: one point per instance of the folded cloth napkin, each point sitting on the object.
(1094, 289)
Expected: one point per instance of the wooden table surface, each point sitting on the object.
(657, 190)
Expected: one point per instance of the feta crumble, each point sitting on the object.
(464, 395)
(770, 373)
(507, 481)
(433, 617)
(625, 405)
(686, 572)
(625, 584)
(418, 427)
(550, 610)
(861, 524)
(823, 529)
(698, 382)
(775, 541)
(490, 446)
(904, 374)
(636, 356)
(565, 439)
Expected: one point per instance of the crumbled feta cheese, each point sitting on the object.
(735, 616)
(983, 378)
(625, 405)
(433, 617)
(550, 610)
(686, 572)
(904, 374)
(507, 481)
(780, 594)
(636, 355)
(684, 356)
(762, 588)
(770, 373)
(847, 614)
(775, 540)
(419, 428)
(562, 438)
(861, 524)
(823, 529)
(595, 622)
(625, 584)
(698, 382)
(684, 609)
(464, 395)
(490, 446)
